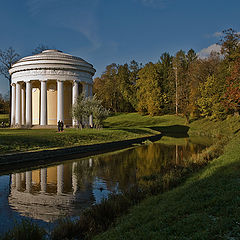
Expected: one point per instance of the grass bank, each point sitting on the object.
(206, 206)
(116, 128)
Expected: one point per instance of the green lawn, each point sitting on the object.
(206, 206)
(4, 118)
(119, 127)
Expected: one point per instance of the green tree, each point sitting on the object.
(107, 90)
(211, 101)
(86, 106)
(230, 46)
(167, 83)
(150, 97)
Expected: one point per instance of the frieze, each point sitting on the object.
(37, 72)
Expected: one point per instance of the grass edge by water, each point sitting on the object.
(171, 215)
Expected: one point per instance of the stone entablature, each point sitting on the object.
(48, 74)
(46, 85)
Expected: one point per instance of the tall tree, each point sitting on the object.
(106, 88)
(150, 97)
(7, 59)
(167, 84)
(180, 67)
(230, 46)
(232, 94)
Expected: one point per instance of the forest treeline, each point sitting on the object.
(182, 84)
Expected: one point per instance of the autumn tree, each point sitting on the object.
(106, 88)
(232, 94)
(116, 87)
(230, 46)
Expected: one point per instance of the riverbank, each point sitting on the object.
(206, 206)
(18, 160)
(116, 128)
(176, 210)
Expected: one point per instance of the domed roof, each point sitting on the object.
(52, 59)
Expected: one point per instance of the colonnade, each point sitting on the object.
(21, 114)
(24, 181)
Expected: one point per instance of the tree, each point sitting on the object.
(40, 48)
(86, 106)
(4, 105)
(232, 94)
(211, 101)
(116, 88)
(165, 72)
(230, 47)
(7, 59)
(181, 85)
(150, 97)
(126, 88)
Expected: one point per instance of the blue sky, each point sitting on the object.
(107, 31)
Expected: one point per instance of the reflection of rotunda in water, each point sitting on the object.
(48, 193)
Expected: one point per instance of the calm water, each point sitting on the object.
(47, 193)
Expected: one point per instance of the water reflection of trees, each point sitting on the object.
(128, 166)
(70, 186)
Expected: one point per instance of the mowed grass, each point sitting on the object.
(4, 118)
(119, 127)
(206, 206)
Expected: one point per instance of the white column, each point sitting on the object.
(60, 101)
(29, 103)
(43, 119)
(90, 161)
(28, 181)
(74, 178)
(18, 181)
(18, 104)
(60, 179)
(13, 107)
(23, 115)
(90, 95)
(44, 180)
(13, 184)
(74, 99)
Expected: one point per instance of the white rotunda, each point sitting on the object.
(46, 85)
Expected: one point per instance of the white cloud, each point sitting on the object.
(205, 52)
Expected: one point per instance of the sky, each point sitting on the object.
(110, 31)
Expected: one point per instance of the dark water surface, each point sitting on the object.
(44, 194)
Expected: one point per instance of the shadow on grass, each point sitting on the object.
(135, 130)
(177, 131)
(132, 123)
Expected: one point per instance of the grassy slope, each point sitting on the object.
(206, 206)
(120, 127)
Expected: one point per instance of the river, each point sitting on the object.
(45, 193)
